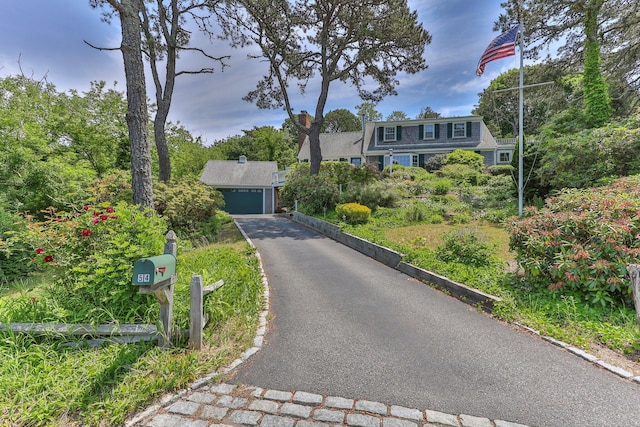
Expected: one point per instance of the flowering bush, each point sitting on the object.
(582, 241)
(90, 255)
(353, 213)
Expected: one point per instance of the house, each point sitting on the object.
(412, 142)
(247, 187)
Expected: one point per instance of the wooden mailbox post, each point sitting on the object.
(157, 275)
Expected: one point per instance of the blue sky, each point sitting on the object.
(46, 38)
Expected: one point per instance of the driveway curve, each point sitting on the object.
(346, 325)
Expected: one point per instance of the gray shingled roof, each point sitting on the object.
(340, 144)
(232, 173)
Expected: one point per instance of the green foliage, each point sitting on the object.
(373, 195)
(596, 91)
(461, 174)
(353, 213)
(507, 170)
(442, 187)
(435, 163)
(88, 258)
(340, 120)
(582, 242)
(580, 160)
(313, 193)
(463, 157)
(15, 253)
(112, 188)
(260, 144)
(189, 206)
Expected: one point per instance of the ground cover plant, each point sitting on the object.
(45, 381)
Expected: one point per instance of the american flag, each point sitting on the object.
(502, 46)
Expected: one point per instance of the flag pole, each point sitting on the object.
(521, 122)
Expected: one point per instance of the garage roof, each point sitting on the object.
(238, 173)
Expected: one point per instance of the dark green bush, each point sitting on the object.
(375, 195)
(189, 206)
(311, 192)
(468, 158)
(435, 163)
(466, 247)
(15, 253)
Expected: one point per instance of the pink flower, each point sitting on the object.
(86, 233)
(48, 258)
(95, 220)
(39, 250)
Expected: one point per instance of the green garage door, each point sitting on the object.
(242, 200)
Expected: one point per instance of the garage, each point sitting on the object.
(243, 200)
(247, 187)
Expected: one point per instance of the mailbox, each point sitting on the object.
(153, 270)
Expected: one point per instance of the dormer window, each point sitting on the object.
(429, 132)
(459, 130)
(389, 133)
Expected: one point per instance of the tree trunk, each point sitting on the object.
(137, 112)
(314, 147)
(164, 162)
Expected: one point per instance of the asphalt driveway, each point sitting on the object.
(346, 325)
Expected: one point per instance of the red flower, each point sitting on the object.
(39, 250)
(113, 216)
(86, 207)
(86, 232)
(104, 217)
(95, 220)
(110, 210)
(96, 213)
(48, 258)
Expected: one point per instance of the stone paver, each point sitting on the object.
(329, 415)
(283, 396)
(338, 402)
(373, 407)
(267, 406)
(305, 398)
(397, 422)
(295, 410)
(402, 412)
(275, 421)
(442, 418)
(213, 412)
(184, 408)
(359, 420)
(202, 397)
(247, 418)
(471, 421)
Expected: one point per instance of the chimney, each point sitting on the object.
(304, 120)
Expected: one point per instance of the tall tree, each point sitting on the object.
(341, 120)
(129, 12)
(397, 116)
(368, 110)
(366, 43)
(165, 36)
(428, 113)
(581, 25)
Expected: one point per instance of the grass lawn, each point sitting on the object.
(46, 383)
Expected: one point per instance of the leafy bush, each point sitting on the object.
(582, 241)
(435, 163)
(375, 195)
(89, 256)
(312, 192)
(468, 158)
(461, 174)
(466, 247)
(113, 188)
(415, 213)
(442, 187)
(189, 206)
(353, 213)
(15, 253)
(497, 170)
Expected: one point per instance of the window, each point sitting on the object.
(504, 157)
(459, 130)
(390, 133)
(429, 132)
(414, 160)
(399, 159)
(356, 161)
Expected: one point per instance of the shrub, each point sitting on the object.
(466, 247)
(353, 213)
(15, 253)
(442, 187)
(90, 255)
(113, 188)
(189, 206)
(375, 195)
(468, 158)
(497, 170)
(460, 174)
(312, 192)
(582, 241)
(415, 213)
(435, 163)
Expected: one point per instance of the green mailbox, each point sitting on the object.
(153, 270)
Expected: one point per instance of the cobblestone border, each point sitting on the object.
(258, 342)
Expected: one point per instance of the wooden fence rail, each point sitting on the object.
(197, 319)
